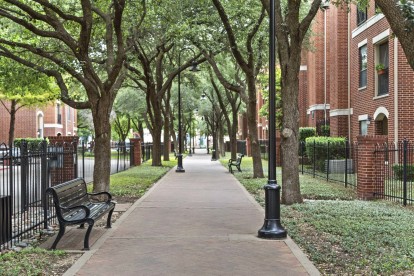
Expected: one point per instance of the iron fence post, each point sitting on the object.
(83, 159)
(327, 163)
(314, 158)
(405, 144)
(44, 180)
(11, 177)
(23, 171)
(301, 153)
(346, 162)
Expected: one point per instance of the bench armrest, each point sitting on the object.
(231, 160)
(87, 211)
(102, 193)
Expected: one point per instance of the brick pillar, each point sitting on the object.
(136, 142)
(369, 181)
(61, 153)
(248, 147)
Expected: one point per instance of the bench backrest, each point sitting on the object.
(68, 194)
(239, 158)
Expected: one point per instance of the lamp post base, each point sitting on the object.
(180, 168)
(272, 229)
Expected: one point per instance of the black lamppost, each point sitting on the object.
(272, 228)
(180, 142)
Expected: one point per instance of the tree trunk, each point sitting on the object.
(12, 122)
(221, 141)
(233, 134)
(102, 167)
(252, 125)
(167, 139)
(156, 145)
(290, 137)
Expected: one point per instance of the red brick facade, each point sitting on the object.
(39, 122)
(351, 109)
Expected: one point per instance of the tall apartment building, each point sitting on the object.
(53, 119)
(339, 81)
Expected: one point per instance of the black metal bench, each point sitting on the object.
(74, 205)
(236, 163)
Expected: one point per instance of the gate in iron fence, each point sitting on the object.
(394, 164)
(334, 163)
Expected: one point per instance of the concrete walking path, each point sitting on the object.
(201, 222)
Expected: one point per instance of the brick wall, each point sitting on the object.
(65, 168)
(364, 101)
(137, 155)
(368, 180)
(27, 125)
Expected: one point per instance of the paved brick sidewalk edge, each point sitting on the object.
(302, 258)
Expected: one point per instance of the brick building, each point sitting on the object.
(50, 120)
(356, 99)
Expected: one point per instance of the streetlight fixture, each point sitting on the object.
(272, 228)
(194, 68)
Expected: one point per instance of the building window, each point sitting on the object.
(69, 114)
(59, 114)
(361, 14)
(363, 61)
(363, 127)
(382, 75)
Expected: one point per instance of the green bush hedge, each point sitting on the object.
(305, 132)
(32, 143)
(317, 149)
(399, 172)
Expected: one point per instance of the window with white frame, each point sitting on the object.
(363, 127)
(382, 53)
(363, 61)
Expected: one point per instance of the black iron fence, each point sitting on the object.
(394, 164)
(25, 174)
(325, 163)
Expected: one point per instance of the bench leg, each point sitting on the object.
(108, 220)
(59, 236)
(86, 241)
(238, 167)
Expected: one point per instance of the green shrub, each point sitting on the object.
(305, 132)
(32, 143)
(317, 149)
(326, 130)
(399, 172)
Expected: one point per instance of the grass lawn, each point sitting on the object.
(36, 261)
(129, 185)
(340, 234)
